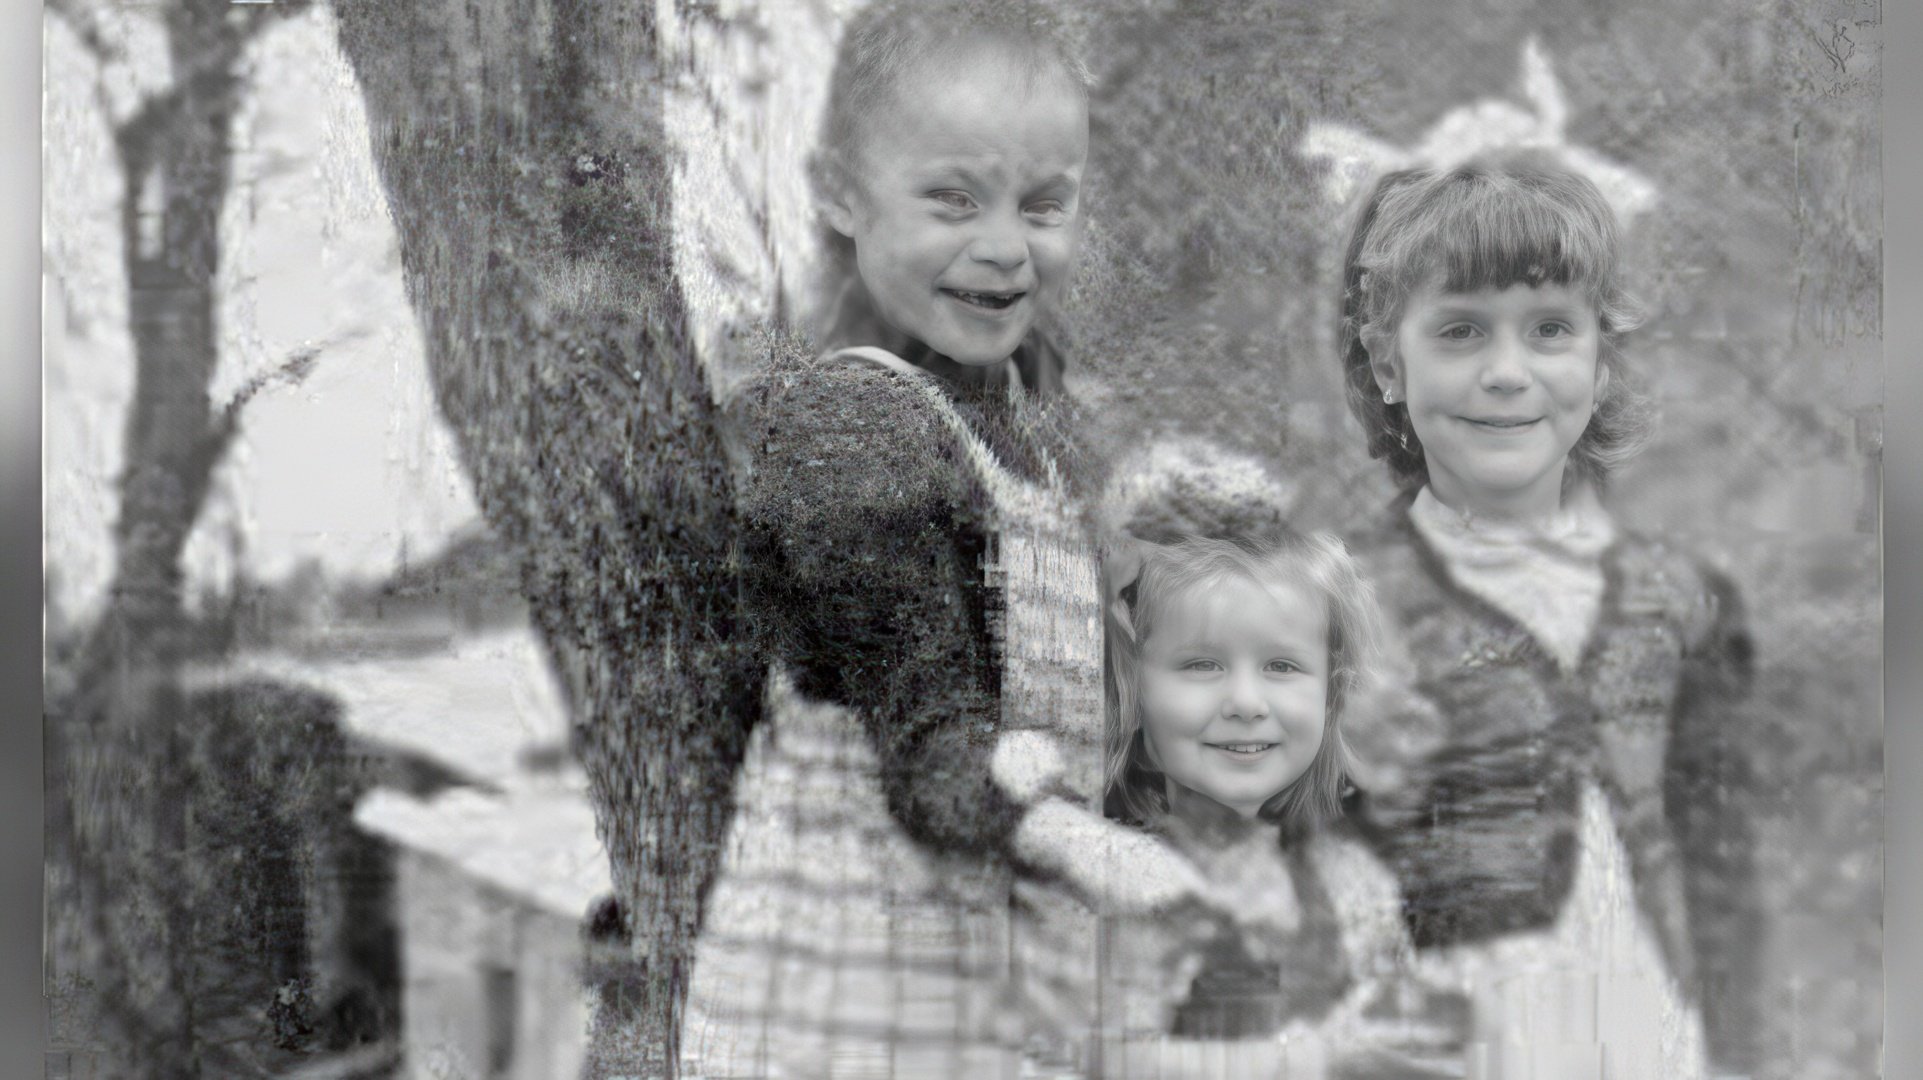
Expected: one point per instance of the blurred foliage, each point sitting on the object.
(272, 872)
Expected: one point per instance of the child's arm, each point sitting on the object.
(866, 539)
(1711, 791)
(863, 563)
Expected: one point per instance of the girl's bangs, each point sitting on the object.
(1492, 238)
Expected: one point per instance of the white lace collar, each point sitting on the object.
(1546, 575)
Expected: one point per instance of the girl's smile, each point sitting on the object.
(1245, 750)
(1502, 424)
(987, 301)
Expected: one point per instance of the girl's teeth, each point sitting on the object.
(994, 300)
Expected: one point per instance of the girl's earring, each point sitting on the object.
(1389, 398)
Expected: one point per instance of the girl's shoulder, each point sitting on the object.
(1383, 532)
(1659, 578)
(829, 435)
(806, 395)
(1393, 555)
(1664, 560)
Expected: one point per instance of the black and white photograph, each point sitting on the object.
(1074, 539)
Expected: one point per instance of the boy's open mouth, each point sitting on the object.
(1249, 749)
(992, 301)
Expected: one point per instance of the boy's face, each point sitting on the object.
(963, 201)
(1235, 689)
(1500, 385)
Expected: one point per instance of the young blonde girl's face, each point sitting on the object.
(963, 203)
(1500, 385)
(1234, 687)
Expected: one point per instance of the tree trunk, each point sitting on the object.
(116, 747)
(522, 154)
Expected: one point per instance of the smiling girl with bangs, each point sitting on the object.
(1505, 225)
(1555, 775)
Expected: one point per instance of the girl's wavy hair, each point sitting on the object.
(1497, 220)
(1135, 790)
(893, 40)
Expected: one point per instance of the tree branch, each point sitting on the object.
(292, 372)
